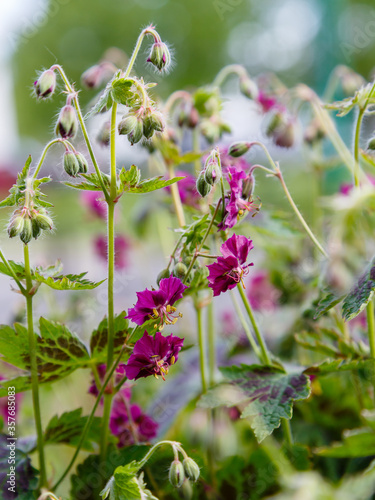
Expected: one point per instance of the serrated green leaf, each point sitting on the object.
(101, 103)
(99, 338)
(361, 294)
(327, 302)
(129, 178)
(67, 429)
(121, 92)
(10, 201)
(267, 394)
(148, 185)
(17, 267)
(59, 353)
(339, 365)
(66, 282)
(92, 184)
(314, 342)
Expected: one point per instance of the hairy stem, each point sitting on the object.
(44, 153)
(231, 69)
(287, 431)
(34, 369)
(202, 348)
(14, 276)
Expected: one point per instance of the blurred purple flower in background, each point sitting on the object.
(122, 246)
(262, 294)
(94, 203)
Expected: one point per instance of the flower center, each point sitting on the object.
(166, 316)
(161, 366)
(238, 273)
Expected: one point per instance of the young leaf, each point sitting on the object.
(59, 353)
(121, 92)
(99, 338)
(267, 394)
(361, 294)
(17, 267)
(148, 185)
(92, 184)
(67, 282)
(67, 428)
(327, 302)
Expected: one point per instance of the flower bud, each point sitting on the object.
(43, 221)
(46, 84)
(148, 129)
(92, 77)
(104, 135)
(160, 56)
(67, 123)
(27, 231)
(71, 165)
(82, 163)
(351, 81)
(371, 144)
(193, 118)
(238, 149)
(275, 120)
(187, 490)
(163, 274)
(157, 121)
(212, 173)
(248, 87)
(15, 226)
(180, 270)
(313, 133)
(248, 186)
(37, 231)
(176, 474)
(137, 133)
(283, 135)
(127, 125)
(191, 469)
(202, 185)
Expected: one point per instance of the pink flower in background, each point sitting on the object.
(346, 188)
(119, 374)
(122, 246)
(263, 296)
(267, 102)
(93, 201)
(230, 269)
(186, 187)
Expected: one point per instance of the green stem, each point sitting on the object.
(34, 369)
(202, 348)
(361, 112)
(265, 355)
(42, 158)
(371, 335)
(90, 419)
(176, 198)
(211, 343)
(14, 276)
(231, 69)
(287, 431)
(245, 326)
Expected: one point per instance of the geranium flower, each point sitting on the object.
(97, 206)
(158, 304)
(153, 355)
(231, 268)
(266, 102)
(238, 203)
(139, 428)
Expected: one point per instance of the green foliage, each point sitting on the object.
(326, 302)
(361, 294)
(266, 393)
(99, 337)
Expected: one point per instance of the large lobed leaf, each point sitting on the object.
(265, 393)
(99, 337)
(361, 294)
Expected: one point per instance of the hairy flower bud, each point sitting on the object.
(212, 173)
(191, 469)
(248, 87)
(238, 149)
(313, 133)
(71, 165)
(27, 231)
(180, 270)
(67, 123)
(127, 125)
(202, 185)
(371, 144)
(283, 135)
(43, 221)
(37, 230)
(137, 133)
(248, 186)
(15, 226)
(276, 119)
(45, 84)
(176, 474)
(163, 274)
(104, 135)
(160, 56)
(82, 162)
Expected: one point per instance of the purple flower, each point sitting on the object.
(158, 304)
(119, 374)
(153, 355)
(261, 292)
(230, 269)
(238, 203)
(96, 205)
(187, 189)
(266, 102)
(139, 428)
(122, 246)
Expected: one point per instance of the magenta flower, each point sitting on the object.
(153, 355)
(231, 268)
(261, 292)
(266, 102)
(158, 304)
(139, 428)
(96, 205)
(122, 246)
(187, 189)
(238, 203)
(4, 408)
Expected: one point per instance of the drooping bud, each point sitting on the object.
(351, 81)
(27, 231)
(180, 270)
(275, 120)
(104, 135)
(313, 133)
(163, 274)
(202, 185)
(248, 87)
(238, 149)
(212, 173)
(45, 84)
(44, 221)
(248, 186)
(176, 474)
(160, 56)
(191, 469)
(193, 117)
(283, 135)
(71, 165)
(93, 77)
(137, 133)
(127, 125)
(37, 230)
(15, 226)
(371, 144)
(67, 123)
(82, 162)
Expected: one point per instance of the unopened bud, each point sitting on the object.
(67, 123)
(37, 230)
(27, 231)
(127, 125)
(163, 274)
(193, 117)
(180, 270)
(371, 144)
(191, 469)
(351, 82)
(202, 185)
(15, 226)
(238, 149)
(176, 474)
(313, 133)
(71, 165)
(137, 133)
(44, 221)
(248, 87)
(82, 163)
(92, 77)
(160, 56)
(46, 84)
(276, 119)
(212, 173)
(283, 135)
(104, 135)
(248, 186)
